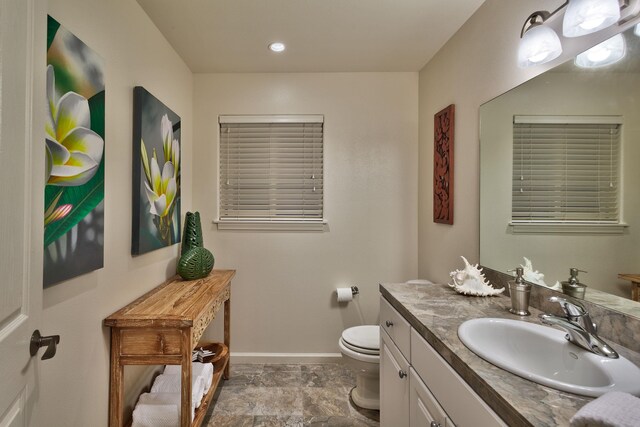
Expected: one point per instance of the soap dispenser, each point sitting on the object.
(520, 292)
(572, 286)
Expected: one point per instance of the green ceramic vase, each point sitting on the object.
(192, 235)
(195, 261)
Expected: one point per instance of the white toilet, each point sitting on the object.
(360, 348)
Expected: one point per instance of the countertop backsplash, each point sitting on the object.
(612, 325)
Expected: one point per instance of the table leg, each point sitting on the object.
(227, 334)
(116, 389)
(185, 413)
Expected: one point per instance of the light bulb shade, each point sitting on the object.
(538, 45)
(636, 30)
(588, 16)
(606, 53)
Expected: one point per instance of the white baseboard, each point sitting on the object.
(273, 358)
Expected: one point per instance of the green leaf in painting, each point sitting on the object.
(96, 106)
(83, 198)
(52, 29)
(50, 207)
(145, 161)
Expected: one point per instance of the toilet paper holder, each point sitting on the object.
(347, 294)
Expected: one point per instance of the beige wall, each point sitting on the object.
(603, 256)
(478, 63)
(74, 385)
(283, 295)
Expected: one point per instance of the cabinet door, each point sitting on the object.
(463, 405)
(425, 411)
(394, 384)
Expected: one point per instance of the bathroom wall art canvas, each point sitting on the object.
(443, 127)
(75, 146)
(156, 174)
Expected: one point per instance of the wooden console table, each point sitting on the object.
(635, 283)
(162, 327)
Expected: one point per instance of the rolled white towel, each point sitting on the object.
(613, 409)
(198, 369)
(172, 383)
(151, 415)
(147, 401)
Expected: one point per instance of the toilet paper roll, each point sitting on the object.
(344, 294)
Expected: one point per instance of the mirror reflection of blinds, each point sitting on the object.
(271, 171)
(566, 172)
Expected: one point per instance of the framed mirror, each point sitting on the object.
(565, 195)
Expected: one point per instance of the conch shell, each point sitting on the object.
(471, 281)
(534, 276)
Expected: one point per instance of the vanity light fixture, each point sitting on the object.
(606, 53)
(538, 42)
(277, 47)
(588, 16)
(636, 30)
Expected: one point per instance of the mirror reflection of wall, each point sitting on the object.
(564, 91)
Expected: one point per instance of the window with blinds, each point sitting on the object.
(271, 169)
(566, 169)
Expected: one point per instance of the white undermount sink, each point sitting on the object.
(542, 354)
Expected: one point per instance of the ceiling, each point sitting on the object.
(216, 36)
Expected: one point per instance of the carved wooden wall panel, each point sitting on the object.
(443, 165)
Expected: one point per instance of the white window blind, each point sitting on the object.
(271, 169)
(566, 169)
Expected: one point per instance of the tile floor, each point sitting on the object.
(288, 395)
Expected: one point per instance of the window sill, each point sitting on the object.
(272, 225)
(566, 228)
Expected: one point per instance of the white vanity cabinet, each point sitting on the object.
(396, 326)
(418, 388)
(394, 384)
(461, 403)
(424, 409)
(404, 399)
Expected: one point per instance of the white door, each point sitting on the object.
(22, 98)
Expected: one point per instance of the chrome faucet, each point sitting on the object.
(580, 329)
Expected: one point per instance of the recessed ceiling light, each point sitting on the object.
(277, 47)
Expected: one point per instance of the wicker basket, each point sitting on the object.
(220, 352)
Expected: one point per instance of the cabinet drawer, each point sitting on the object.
(150, 342)
(463, 405)
(396, 326)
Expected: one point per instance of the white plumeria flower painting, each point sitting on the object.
(75, 146)
(156, 174)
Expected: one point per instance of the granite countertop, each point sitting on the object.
(436, 311)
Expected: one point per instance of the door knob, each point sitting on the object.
(51, 343)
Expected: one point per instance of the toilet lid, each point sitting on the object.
(366, 337)
(360, 350)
